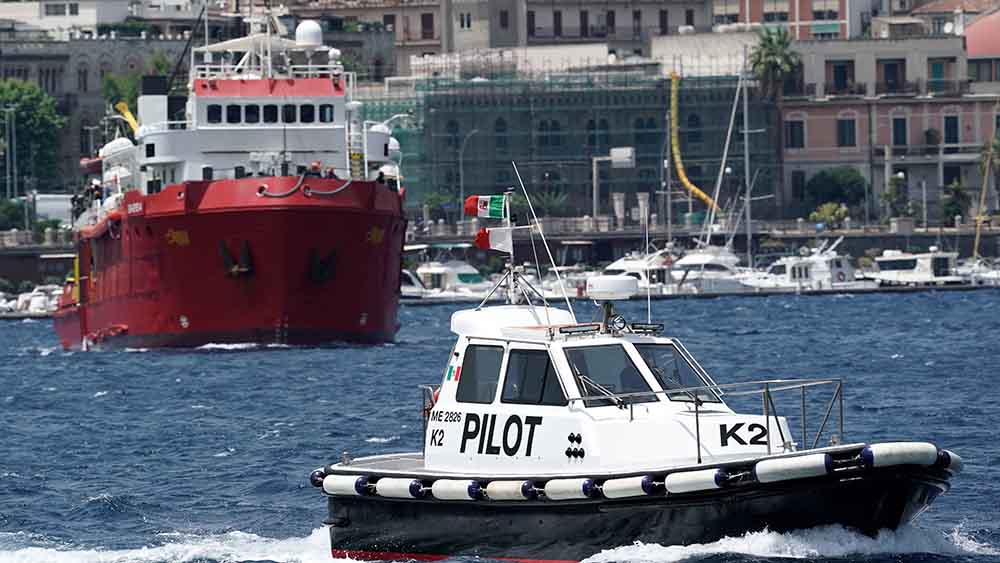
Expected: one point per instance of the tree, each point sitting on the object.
(831, 213)
(38, 128)
(843, 184)
(955, 201)
(990, 164)
(773, 59)
(126, 88)
(897, 201)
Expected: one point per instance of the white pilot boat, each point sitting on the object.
(550, 439)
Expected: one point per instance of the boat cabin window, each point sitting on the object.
(892, 265)
(234, 113)
(672, 371)
(214, 113)
(531, 380)
(613, 272)
(659, 275)
(251, 114)
(270, 113)
(940, 266)
(477, 382)
(326, 113)
(289, 113)
(778, 270)
(470, 278)
(599, 370)
(307, 113)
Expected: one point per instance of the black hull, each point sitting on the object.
(375, 528)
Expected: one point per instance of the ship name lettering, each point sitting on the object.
(727, 433)
(490, 438)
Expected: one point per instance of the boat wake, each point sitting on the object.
(820, 542)
(824, 542)
(176, 548)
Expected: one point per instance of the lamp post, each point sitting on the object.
(619, 157)
(901, 176)
(11, 151)
(90, 136)
(461, 170)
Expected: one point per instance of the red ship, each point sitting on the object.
(259, 208)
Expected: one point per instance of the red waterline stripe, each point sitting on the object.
(402, 556)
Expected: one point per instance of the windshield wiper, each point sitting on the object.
(619, 402)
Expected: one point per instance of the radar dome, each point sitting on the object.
(309, 35)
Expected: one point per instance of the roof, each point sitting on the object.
(949, 6)
(703, 54)
(490, 322)
(981, 38)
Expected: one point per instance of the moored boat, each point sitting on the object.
(253, 210)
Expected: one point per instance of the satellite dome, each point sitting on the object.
(309, 35)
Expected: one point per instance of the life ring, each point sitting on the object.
(841, 277)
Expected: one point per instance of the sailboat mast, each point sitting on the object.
(746, 159)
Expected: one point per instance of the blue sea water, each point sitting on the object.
(203, 456)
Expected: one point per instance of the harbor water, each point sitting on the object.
(203, 456)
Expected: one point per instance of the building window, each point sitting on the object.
(694, 129)
(451, 129)
(504, 19)
(776, 10)
(55, 9)
(795, 134)
(689, 17)
(664, 22)
(530, 22)
(799, 185)
(389, 21)
(725, 11)
(500, 134)
(557, 23)
(584, 23)
(951, 129)
(937, 26)
(899, 131)
(636, 23)
(427, 26)
(82, 79)
(827, 10)
(609, 19)
(846, 133)
(74, 9)
(603, 136)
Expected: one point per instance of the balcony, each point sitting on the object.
(793, 90)
(947, 87)
(898, 88)
(960, 152)
(847, 89)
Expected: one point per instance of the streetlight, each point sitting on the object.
(11, 161)
(90, 134)
(619, 157)
(461, 169)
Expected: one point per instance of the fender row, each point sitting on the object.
(764, 471)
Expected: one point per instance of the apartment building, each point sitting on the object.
(66, 15)
(891, 109)
(804, 19)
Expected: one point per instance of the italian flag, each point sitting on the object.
(495, 239)
(490, 206)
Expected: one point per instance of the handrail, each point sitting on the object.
(766, 389)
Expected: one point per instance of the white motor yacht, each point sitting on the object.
(980, 272)
(710, 269)
(819, 268)
(652, 270)
(934, 267)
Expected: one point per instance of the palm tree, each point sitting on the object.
(773, 59)
(955, 201)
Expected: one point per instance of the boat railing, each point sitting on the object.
(765, 389)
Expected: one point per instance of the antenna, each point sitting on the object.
(545, 243)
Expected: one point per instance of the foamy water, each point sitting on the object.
(817, 543)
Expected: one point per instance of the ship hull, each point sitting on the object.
(369, 528)
(312, 261)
